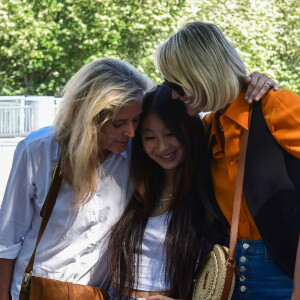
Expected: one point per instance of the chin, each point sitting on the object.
(192, 112)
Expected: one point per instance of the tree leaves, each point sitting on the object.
(44, 42)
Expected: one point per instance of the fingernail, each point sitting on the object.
(246, 98)
(256, 98)
(249, 101)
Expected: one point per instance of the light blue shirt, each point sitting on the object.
(73, 246)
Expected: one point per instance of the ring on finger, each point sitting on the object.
(268, 83)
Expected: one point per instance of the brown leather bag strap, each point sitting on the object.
(236, 210)
(47, 210)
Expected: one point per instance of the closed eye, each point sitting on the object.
(136, 120)
(117, 124)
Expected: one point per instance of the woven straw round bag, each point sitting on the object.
(210, 281)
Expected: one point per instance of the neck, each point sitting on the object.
(103, 154)
(169, 182)
(222, 111)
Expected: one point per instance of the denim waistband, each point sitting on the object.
(260, 277)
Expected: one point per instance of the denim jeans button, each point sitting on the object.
(243, 288)
(243, 259)
(246, 245)
(242, 269)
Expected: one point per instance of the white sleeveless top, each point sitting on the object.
(153, 257)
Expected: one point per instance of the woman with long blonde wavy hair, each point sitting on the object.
(97, 118)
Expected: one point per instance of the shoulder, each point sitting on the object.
(281, 110)
(281, 104)
(39, 146)
(45, 135)
(283, 98)
(38, 139)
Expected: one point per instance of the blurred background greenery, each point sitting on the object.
(44, 42)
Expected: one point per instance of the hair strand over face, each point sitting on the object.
(202, 60)
(90, 99)
(182, 244)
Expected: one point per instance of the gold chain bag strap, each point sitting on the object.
(216, 277)
(39, 288)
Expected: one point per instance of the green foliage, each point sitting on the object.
(44, 42)
(265, 32)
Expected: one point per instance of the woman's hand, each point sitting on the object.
(258, 85)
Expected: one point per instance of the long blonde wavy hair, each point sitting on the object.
(202, 60)
(90, 99)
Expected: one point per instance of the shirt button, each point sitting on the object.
(246, 245)
(243, 259)
(242, 278)
(242, 269)
(243, 288)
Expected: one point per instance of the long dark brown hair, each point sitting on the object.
(183, 240)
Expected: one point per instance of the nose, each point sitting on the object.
(162, 145)
(130, 130)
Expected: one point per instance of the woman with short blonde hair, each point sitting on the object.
(192, 61)
(201, 60)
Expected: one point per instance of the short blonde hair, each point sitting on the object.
(91, 98)
(202, 60)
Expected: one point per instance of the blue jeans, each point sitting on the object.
(261, 278)
(113, 294)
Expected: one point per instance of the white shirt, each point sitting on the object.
(153, 257)
(73, 246)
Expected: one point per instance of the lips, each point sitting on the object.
(168, 157)
(123, 142)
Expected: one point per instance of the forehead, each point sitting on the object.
(152, 122)
(129, 110)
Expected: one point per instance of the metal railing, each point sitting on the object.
(19, 115)
(15, 121)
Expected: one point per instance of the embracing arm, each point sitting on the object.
(258, 85)
(296, 292)
(6, 271)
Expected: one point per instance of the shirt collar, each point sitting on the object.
(124, 154)
(238, 110)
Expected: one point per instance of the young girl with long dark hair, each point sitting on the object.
(156, 244)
